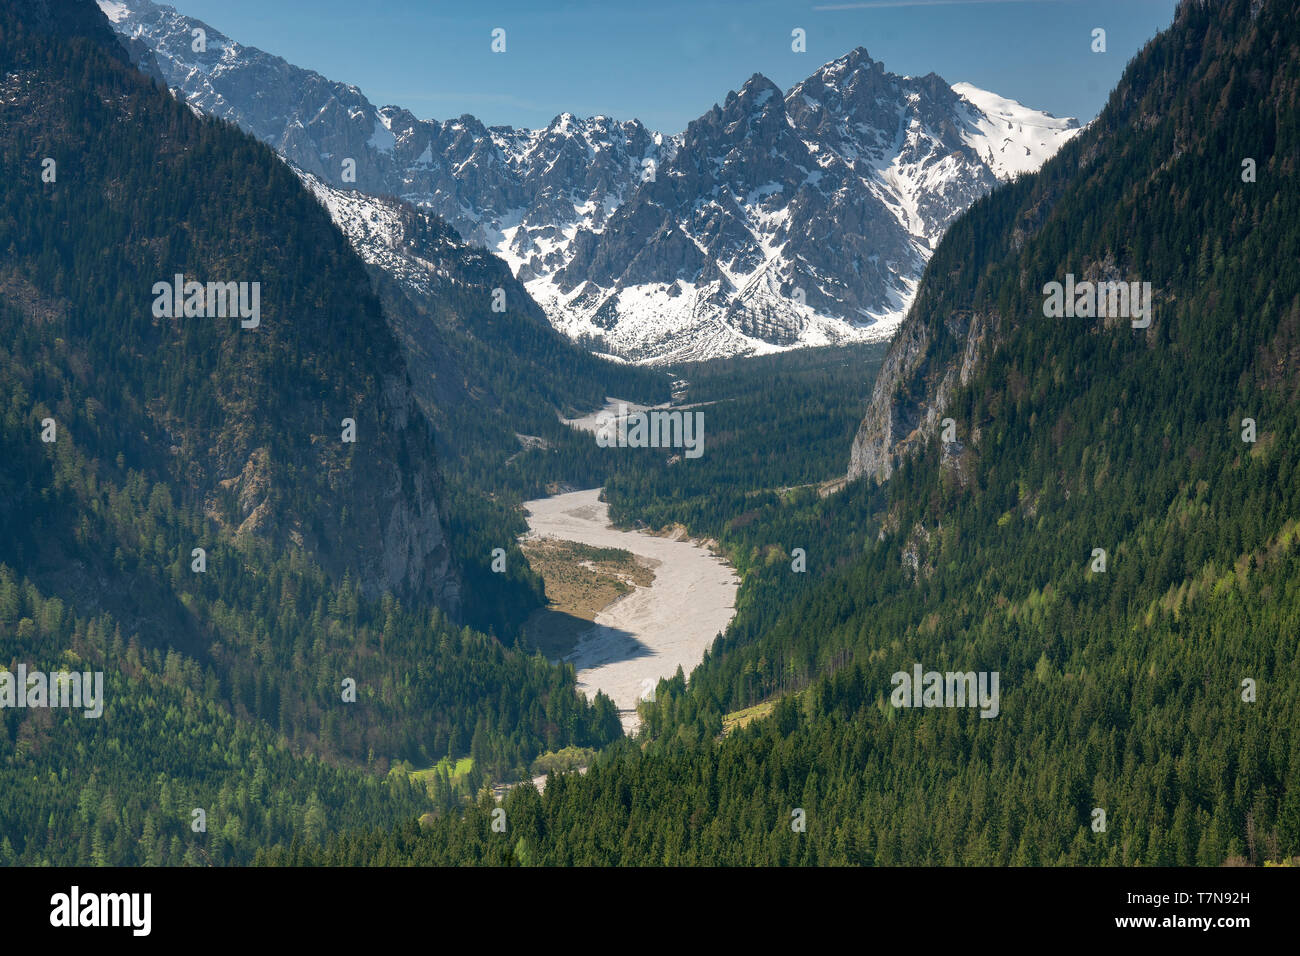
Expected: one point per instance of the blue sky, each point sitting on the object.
(666, 62)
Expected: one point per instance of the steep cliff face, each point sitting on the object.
(889, 421)
(910, 395)
(396, 536)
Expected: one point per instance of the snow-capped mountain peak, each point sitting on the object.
(775, 220)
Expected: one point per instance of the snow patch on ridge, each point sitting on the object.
(116, 12)
(1011, 137)
(382, 138)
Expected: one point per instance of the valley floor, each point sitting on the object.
(651, 631)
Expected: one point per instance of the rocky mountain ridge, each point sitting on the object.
(775, 220)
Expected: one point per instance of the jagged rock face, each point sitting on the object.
(775, 220)
(909, 397)
(793, 219)
(413, 555)
(760, 228)
(387, 530)
(574, 173)
(888, 421)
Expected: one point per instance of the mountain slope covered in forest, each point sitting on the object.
(1159, 682)
(181, 508)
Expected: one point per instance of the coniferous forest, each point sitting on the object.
(100, 524)
(305, 637)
